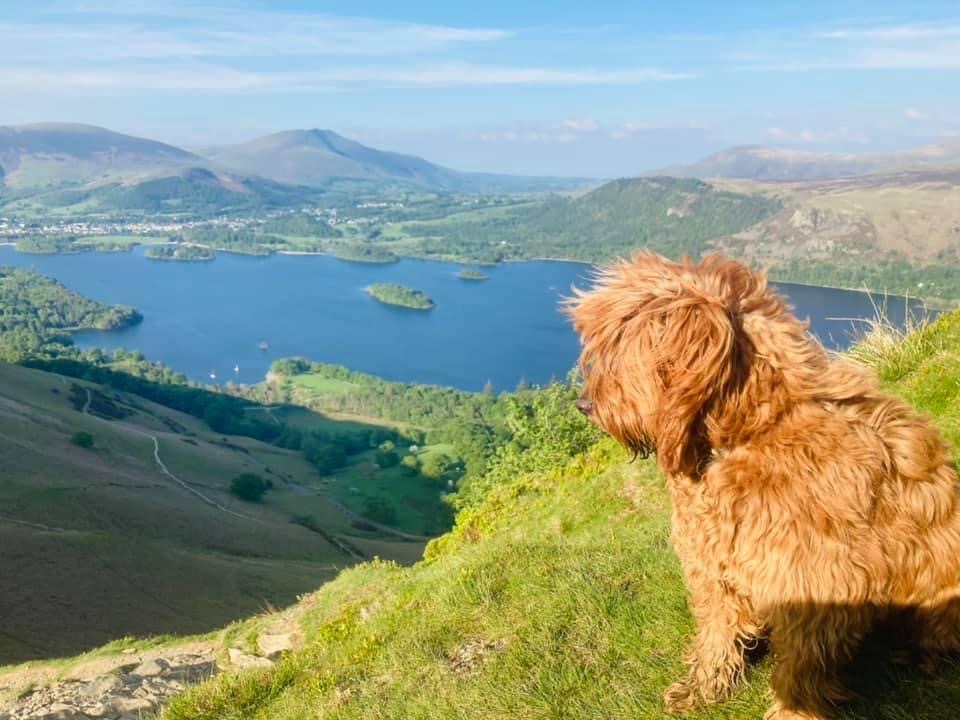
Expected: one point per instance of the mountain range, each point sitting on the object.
(65, 165)
(759, 162)
(81, 169)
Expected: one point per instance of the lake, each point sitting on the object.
(209, 317)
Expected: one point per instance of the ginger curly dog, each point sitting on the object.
(807, 504)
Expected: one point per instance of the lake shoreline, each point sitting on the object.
(931, 303)
(203, 318)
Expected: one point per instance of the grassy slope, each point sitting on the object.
(95, 544)
(558, 598)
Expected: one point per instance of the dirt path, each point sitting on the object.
(163, 468)
(37, 526)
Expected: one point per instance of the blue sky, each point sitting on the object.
(573, 88)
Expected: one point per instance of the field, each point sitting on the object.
(417, 502)
(98, 543)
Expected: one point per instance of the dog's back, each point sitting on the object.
(917, 510)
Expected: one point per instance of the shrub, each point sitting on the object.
(434, 466)
(410, 464)
(82, 439)
(250, 487)
(379, 509)
(387, 455)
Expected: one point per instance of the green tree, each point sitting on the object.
(250, 487)
(82, 439)
(387, 455)
(379, 509)
(410, 464)
(434, 466)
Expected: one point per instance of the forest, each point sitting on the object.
(36, 311)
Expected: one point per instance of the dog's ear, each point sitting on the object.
(695, 363)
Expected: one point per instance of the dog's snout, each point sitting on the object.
(584, 405)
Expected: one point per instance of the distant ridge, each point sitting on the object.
(313, 157)
(758, 162)
(47, 154)
(316, 157)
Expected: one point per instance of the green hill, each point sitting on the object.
(187, 191)
(139, 534)
(555, 596)
(669, 215)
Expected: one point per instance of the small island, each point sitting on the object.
(180, 252)
(400, 295)
(467, 274)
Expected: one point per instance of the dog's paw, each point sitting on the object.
(680, 697)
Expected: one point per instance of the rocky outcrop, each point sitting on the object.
(128, 693)
(135, 684)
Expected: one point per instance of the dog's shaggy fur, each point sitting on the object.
(807, 504)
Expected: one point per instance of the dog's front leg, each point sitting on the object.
(726, 626)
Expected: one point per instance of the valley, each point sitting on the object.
(139, 534)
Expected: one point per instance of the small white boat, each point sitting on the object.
(236, 368)
(213, 376)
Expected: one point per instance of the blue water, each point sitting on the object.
(207, 317)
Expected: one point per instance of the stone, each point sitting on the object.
(101, 686)
(151, 668)
(126, 705)
(59, 711)
(196, 669)
(273, 646)
(240, 659)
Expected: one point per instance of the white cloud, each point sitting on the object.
(629, 128)
(581, 124)
(807, 136)
(882, 47)
(524, 136)
(894, 32)
(913, 114)
(223, 79)
(216, 33)
(777, 133)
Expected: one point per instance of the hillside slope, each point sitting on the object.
(139, 534)
(48, 154)
(669, 215)
(318, 157)
(556, 597)
(898, 233)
